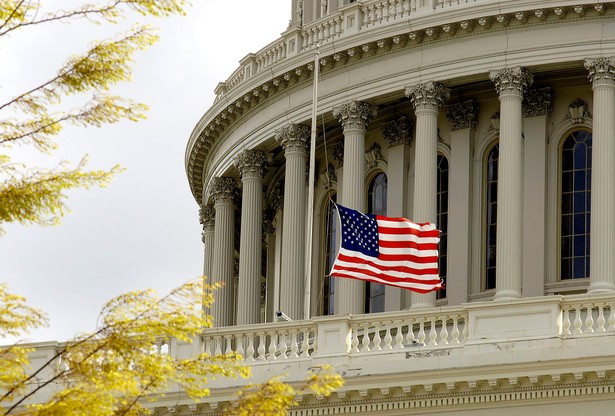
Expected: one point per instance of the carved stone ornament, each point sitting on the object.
(463, 115)
(338, 154)
(355, 115)
(268, 226)
(252, 163)
(428, 96)
(511, 81)
(294, 138)
(577, 111)
(398, 132)
(223, 190)
(494, 122)
(329, 178)
(207, 216)
(601, 69)
(276, 198)
(538, 102)
(373, 155)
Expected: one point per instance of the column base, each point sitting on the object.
(601, 288)
(507, 295)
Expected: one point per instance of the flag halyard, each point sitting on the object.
(392, 251)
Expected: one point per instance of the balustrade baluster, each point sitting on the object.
(283, 347)
(377, 340)
(421, 334)
(379, 13)
(455, 331)
(218, 343)
(406, 8)
(601, 319)
(207, 347)
(589, 320)
(566, 321)
(365, 340)
(239, 345)
(388, 339)
(250, 348)
(399, 337)
(294, 347)
(577, 320)
(410, 338)
(611, 317)
(229, 344)
(272, 345)
(444, 331)
(466, 330)
(433, 335)
(262, 337)
(365, 11)
(305, 346)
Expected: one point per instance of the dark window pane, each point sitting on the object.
(578, 270)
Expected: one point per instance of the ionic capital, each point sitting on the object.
(538, 102)
(207, 217)
(601, 70)
(223, 190)
(511, 81)
(355, 115)
(427, 96)
(463, 115)
(398, 132)
(252, 163)
(294, 138)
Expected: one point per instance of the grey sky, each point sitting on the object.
(142, 231)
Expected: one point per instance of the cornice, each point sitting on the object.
(241, 98)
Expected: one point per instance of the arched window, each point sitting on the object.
(376, 204)
(491, 198)
(330, 226)
(442, 219)
(575, 179)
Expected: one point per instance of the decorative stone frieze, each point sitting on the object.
(427, 96)
(276, 198)
(601, 69)
(294, 138)
(355, 115)
(538, 102)
(252, 163)
(372, 156)
(463, 115)
(398, 132)
(223, 190)
(511, 80)
(578, 111)
(338, 154)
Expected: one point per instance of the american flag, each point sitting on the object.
(393, 251)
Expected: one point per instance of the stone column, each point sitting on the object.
(251, 165)
(354, 117)
(536, 110)
(399, 135)
(223, 265)
(427, 99)
(510, 84)
(463, 118)
(207, 216)
(269, 241)
(602, 231)
(294, 138)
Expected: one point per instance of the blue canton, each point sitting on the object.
(359, 231)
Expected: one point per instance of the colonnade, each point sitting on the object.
(427, 99)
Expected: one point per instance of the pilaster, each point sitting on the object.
(510, 84)
(223, 265)
(354, 117)
(294, 138)
(602, 237)
(426, 99)
(251, 164)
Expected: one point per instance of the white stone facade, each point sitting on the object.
(515, 101)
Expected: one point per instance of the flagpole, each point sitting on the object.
(310, 207)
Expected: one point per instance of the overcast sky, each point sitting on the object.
(143, 230)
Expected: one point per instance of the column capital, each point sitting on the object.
(463, 115)
(252, 163)
(294, 138)
(601, 70)
(511, 81)
(223, 190)
(207, 216)
(355, 115)
(398, 132)
(427, 96)
(538, 102)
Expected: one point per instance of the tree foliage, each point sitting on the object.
(118, 369)
(36, 116)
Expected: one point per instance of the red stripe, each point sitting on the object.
(407, 257)
(408, 244)
(409, 231)
(393, 267)
(413, 288)
(401, 219)
(390, 278)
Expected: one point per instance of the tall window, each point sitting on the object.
(376, 204)
(442, 219)
(491, 198)
(328, 289)
(576, 165)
